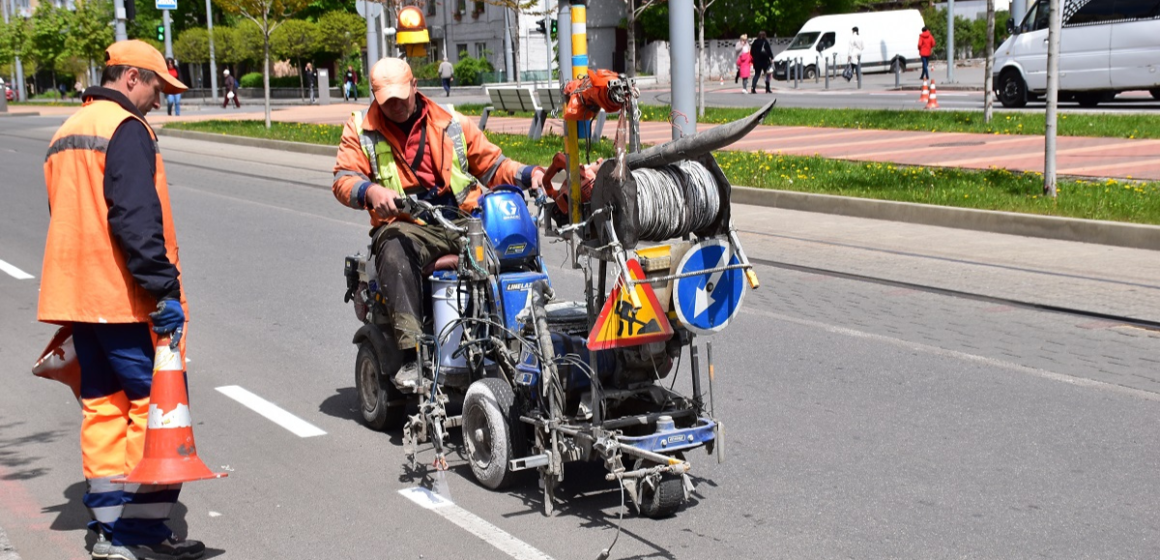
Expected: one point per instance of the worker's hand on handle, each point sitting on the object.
(384, 201)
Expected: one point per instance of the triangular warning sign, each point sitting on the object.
(620, 324)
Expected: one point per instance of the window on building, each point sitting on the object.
(430, 7)
(461, 50)
(461, 6)
(479, 6)
(481, 50)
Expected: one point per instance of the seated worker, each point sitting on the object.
(408, 145)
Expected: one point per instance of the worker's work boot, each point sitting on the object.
(408, 375)
(102, 546)
(172, 548)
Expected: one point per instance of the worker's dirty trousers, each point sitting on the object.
(402, 250)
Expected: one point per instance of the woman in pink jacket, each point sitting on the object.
(744, 68)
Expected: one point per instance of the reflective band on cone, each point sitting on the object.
(170, 454)
(933, 102)
(925, 91)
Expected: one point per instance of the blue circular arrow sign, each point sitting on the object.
(706, 302)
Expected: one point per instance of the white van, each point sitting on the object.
(886, 37)
(1107, 46)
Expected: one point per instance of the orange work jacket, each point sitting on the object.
(85, 278)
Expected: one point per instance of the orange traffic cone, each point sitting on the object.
(170, 454)
(933, 102)
(925, 91)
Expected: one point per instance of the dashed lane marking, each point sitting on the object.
(474, 524)
(15, 272)
(271, 411)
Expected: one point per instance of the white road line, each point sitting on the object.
(473, 524)
(271, 411)
(15, 272)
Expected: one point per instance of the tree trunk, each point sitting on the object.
(266, 65)
(514, 30)
(630, 64)
(988, 85)
(701, 63)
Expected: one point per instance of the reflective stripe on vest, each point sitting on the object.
(386, 171)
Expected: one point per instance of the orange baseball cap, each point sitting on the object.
(140, 54)
(391, 77)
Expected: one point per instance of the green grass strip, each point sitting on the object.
(1003, 122)
(995, 189)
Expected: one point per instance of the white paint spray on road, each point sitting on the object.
(473, 524)
(271, 411)
(15, 272)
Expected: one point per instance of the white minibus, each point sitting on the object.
(887, 38)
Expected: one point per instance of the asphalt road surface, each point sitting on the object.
(863, 421)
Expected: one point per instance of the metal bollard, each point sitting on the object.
(858, 69)
(796, 68)
(897, 74)
(817, 68)
(828, 68)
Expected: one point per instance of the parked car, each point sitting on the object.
(9, 94)
(888, 38)
(1105, 47)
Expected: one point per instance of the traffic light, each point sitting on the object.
(161, 33)
(540, 27)
(554, 28)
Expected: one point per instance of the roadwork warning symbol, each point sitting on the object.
(620, 324)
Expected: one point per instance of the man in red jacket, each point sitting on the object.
(925, 47)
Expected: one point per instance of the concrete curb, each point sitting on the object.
(282, 145)
(29, 114)
(1117, 234)
(1050, 227)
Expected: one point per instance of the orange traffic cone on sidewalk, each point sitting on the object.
(933, 102)
(925, 91)
(170, 455)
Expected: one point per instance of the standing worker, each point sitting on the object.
(762, 55)
(111, 269)
(854, 55)
(419, 149)
(925, 48)
(447, 73)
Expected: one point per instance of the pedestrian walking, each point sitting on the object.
(854, 55)
(762, 58)
(172, 100)
(745, 68)
(407, 143)
(925, 48)
(311, 80)
(230, 90)
(111, 271)
(742, 45)
(350, 85)
(446, 73)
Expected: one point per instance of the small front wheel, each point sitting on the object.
(375, 399)
(492, 432)
(661, 497)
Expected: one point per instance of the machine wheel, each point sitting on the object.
(663, 499)
(374, 396)
(1155, 93)
(492, 432)
(1012, 90)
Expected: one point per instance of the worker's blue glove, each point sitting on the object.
(169, 316)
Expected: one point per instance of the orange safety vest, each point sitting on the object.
(85, 278)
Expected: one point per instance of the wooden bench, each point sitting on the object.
(512, 99)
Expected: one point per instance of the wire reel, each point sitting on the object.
(662, 203)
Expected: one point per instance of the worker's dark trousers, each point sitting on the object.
(402, 249)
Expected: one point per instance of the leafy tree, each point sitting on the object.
(267, 15)
(91, 32)
(46, 44)
(342, 34)
(635, 8)
(228, 45)
(467, 69)
(192, 46)
(296, 39)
